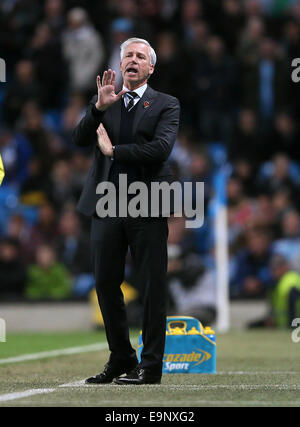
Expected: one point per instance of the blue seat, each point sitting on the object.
(217, 152)
(53, 120)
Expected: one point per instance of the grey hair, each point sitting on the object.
(137, 40)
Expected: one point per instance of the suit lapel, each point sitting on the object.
(141, 109)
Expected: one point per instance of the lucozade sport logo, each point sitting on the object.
(179, 361)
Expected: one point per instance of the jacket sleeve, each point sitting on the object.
(159, 149)
(84, 133)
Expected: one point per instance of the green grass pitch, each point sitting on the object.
(257, 368)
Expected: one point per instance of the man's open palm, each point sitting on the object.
(106, 90)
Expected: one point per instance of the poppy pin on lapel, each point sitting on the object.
(146, 104)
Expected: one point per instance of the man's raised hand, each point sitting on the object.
(106, 90)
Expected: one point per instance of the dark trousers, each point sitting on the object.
(147, 240)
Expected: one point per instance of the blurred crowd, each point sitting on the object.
(229, 64)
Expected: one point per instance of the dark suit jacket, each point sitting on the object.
(154, 131)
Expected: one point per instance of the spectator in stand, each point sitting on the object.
(12, 270)
(83, 50)
(193, 52)
(250, 40)
(47, 278)
(264, 84)
(253, 8)
(54, 16)
(283, 295)
(294, 10)
(241, 209)
(170, 64)
(45, 230)
(244, 170)
(247, 142)
(291, 39)
(183, 150)
(45, 51)
(200, 33)
(72, 115)
(215, 90)
(279, 174)
(23, 88)
(73, 245)
(173, 68)
(265, 214)
(81, 164)
(282, 202)
(191, 11)
(128, 9)
(18, 230)
(289, 243)
(252, 275)
(151, 19)
(73, 250)
(231, 23)
(62, 182)
(285, 136)
(16, 153)
(34, 130)
(200, 171)
(36, 190)
(196, 49)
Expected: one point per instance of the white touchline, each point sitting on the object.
(54, 353)
(26, 393)
(33, 392)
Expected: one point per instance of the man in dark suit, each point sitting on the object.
(133, 132)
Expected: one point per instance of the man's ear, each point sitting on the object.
(151, 71)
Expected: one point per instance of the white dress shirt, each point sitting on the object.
(139, 91)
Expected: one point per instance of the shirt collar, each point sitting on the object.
(140, 90)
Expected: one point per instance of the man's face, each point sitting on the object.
(135, 65)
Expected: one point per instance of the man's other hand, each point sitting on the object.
(104, 142)
(106, 90)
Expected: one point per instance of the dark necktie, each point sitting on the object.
(131, 96)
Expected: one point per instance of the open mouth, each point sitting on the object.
(131, 70)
